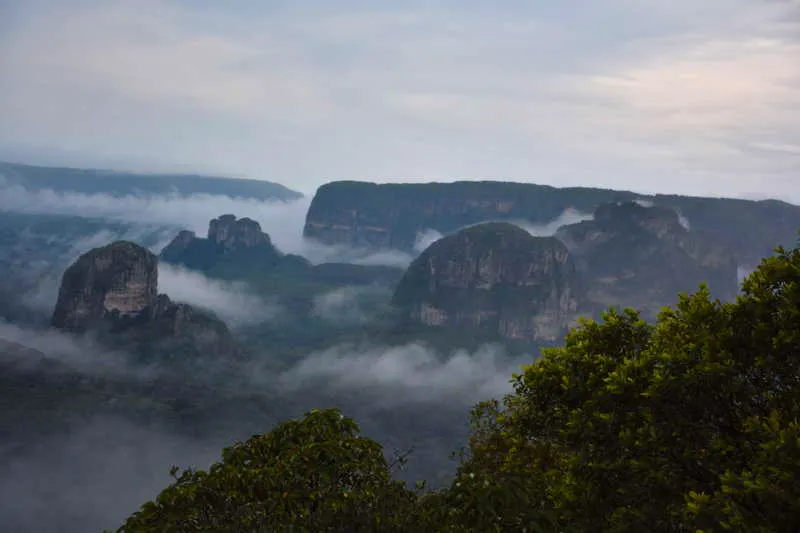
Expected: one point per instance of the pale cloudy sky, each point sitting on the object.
(689, 96)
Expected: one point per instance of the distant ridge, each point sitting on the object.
(94, 181)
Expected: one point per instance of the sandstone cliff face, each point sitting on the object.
(113, 291)
(637, 256)
(393, 215)
(494, 277)
(231, 234)
(120, 278)
(229, 240)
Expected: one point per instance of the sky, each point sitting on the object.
(651, 95)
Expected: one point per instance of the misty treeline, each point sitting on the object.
(691, 423)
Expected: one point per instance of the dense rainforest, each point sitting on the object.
(690, 423)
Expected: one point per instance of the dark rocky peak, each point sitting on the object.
(232, 234)
(495, 277)
(631, 221)
(183, 238)
(230, 241)
(120, 278)
(113, 291)
(625, 215)
(642, 256)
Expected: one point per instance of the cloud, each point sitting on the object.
(408, 374)
(317, 253)
(234, 302)
(81, 354)
(629, 94)
(548, 229)
(683, 221)
(166, 215)
(569, 216)
(348, 305)
(191, 212)
(425, 238)
(94, 476)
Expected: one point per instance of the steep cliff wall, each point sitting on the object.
(120, 278)
(393, 215)
(113, 291)
(632, 255)
(495, 277)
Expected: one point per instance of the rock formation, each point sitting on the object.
(120, 278)
(113, 291)
(228, 241)
(394, 215)
(638, 256)
(495, 278)
(231, 234)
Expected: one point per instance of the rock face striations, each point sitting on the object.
(394, 215)
(635, 256)
(498, 278)
(119, 279)
(229, 240)
(113, 291)
(495, 278)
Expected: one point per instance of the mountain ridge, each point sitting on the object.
(121, 183)
(365, 214)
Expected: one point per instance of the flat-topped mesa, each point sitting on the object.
(120, 278)
(392, 215)
(229, 238)
(113, 290)
(496, 278)
(231, 234)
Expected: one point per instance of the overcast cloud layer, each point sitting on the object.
(679, 96)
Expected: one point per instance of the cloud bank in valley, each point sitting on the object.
(81, 354)
(234, 302)
(94, 476)
(427, 237)
(347, 305)
(283, 221)
(408, 374)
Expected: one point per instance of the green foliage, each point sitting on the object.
(314, 474)
(688, 425)
(691, 424)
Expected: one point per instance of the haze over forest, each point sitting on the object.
(215, 218)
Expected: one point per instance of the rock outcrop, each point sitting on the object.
(231, 234)
(394, 215)
(495, 278)
(229, 240)
(113, 291)
(364, 214)
(639, 256)
(121, 278)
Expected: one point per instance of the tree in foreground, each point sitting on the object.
(313, 474)
(691, 424)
